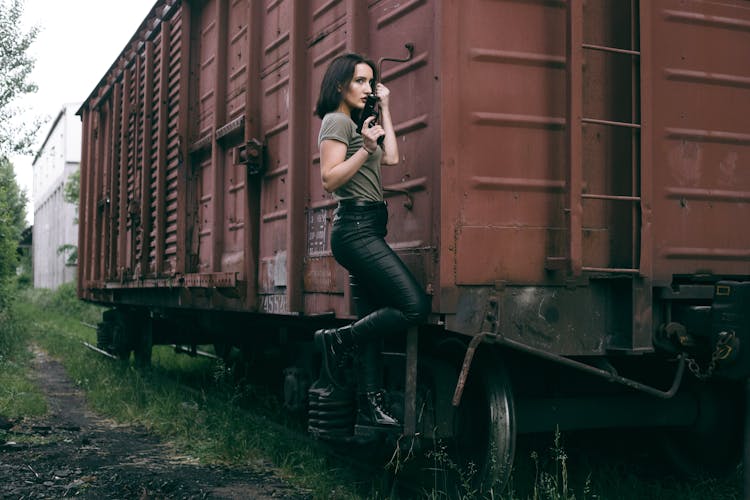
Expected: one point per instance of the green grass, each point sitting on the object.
(195, 404)
(598, 466)
(190, 402)
(19, 395)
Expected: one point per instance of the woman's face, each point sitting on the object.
(354, 96)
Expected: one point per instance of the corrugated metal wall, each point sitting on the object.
(512, 145)
(55, 220)
(700, 86)
(132, 160)
(541, 142)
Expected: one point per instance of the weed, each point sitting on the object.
(553, 484)
(63, 301)
(191, 402)
(19, 396)
(197, 405)
(449, 479)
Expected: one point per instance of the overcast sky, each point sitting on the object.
(77, 43)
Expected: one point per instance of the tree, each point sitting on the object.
(16, 136)
(12, 222)
(72, 190)
(15, 70)
(71, 194)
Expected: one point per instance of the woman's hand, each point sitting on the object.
(390, 146)
(371, 133)
(383, 95)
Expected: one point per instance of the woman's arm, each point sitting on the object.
(335, 168)
(390, 146)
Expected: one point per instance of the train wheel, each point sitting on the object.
(484, 426)
(143, 339)
(710, 444)
(121, 334)
(477, 458)
(236, 359)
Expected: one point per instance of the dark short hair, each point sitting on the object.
(338, 75)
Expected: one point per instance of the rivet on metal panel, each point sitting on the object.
(490, 322)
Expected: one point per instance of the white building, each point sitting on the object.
(55, 219)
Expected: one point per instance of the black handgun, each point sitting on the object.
(368, 111)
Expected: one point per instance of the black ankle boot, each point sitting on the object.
(372, 411)
(336, 346)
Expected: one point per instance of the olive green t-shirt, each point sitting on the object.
(365, 184)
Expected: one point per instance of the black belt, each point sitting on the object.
(361, 204)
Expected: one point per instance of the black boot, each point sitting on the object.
(336, 345)
(372, 411)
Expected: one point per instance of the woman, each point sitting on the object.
(350, 169)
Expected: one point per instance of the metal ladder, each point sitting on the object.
(576, 121)
(641, 294)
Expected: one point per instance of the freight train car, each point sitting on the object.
(573, 194)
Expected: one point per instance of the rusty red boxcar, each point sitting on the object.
(573, 194)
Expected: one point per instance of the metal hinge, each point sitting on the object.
(250, 154)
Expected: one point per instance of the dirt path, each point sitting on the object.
(72, 452)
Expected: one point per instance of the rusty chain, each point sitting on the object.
(721, 352)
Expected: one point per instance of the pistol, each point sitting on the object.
(367, 112)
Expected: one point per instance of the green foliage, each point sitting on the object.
(72, 189)
(552, 483)
(12, 215)
(72, 194)
(64, 301)
(460, 486)
(188, 401)
(19, 397)
(196, 405)
(25, 277)
(13, 199)
(72, 253)
(15, 71)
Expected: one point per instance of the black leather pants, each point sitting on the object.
(387, 296)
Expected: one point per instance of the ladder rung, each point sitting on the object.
(611, 123)
(610, 197)
(614, 50)
(614, 270)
